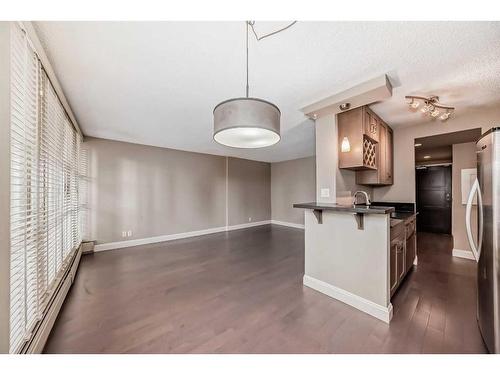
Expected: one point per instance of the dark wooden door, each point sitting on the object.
(434, 199)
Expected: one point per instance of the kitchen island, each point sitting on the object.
(347, 254)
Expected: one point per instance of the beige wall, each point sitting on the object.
(292, 181)
(154, 191)
(326, 157)
(403, 189)
(346, 186)
(4, 185)
(464, 156)
(249, 191)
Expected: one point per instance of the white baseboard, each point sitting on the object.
(287, 224)
(380, 312)
(176, 236)
(466, 254)
(247, 225)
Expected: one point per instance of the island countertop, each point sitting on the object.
(360, 209)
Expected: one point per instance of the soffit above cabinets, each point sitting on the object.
(448, 139)
(157, 83)
(441, 153)
(374, 90)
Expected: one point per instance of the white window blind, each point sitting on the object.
(84, 194)
(44, 190)
(24, 188)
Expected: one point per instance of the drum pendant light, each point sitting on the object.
(247, 122)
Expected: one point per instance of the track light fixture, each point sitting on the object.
(431, 106)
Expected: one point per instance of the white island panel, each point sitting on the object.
(347, 263)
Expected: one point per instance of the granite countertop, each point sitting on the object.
(402, 215)
(359, 208)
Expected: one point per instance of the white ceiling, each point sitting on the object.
(157, 83)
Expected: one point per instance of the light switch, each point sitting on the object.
(325, 193)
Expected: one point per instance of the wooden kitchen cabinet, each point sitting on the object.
(371, 124)
(389, 157)
(383, 174)
(393, 279)
(397, 263)
(401, 261)
(411, 243)
(403, 250)
(371, 149)
(361, 128)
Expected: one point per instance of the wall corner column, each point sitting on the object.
(326, 158)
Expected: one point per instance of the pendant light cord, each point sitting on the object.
(247, 24)
(251, 24)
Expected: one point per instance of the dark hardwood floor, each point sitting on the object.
(242, 292)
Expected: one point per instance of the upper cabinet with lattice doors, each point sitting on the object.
(365, 145)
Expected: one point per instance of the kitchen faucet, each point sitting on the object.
(367, 198)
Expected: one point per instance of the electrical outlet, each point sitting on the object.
(124, 234)
(325, 193)
(129, 233)
(249, 219)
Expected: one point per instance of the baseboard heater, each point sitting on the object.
(42, 330)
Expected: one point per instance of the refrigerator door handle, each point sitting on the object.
(476, 250)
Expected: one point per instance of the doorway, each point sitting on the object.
(434, 197)
(441, 161)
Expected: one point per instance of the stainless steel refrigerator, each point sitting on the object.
(486, 248)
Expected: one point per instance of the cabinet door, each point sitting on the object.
(401, 265)
(381, 155)
(350, 125)
(372, 125)
(383, 174)
(394, 269)
(388, 173)
(410, 228)
(411, 251)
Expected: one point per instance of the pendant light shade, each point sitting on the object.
(246, 123)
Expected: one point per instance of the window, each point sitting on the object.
(45, 230)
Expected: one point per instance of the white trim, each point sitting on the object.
(175, 236)
(465, 254)
(287, 224)
(248, 225)
(369, 307)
